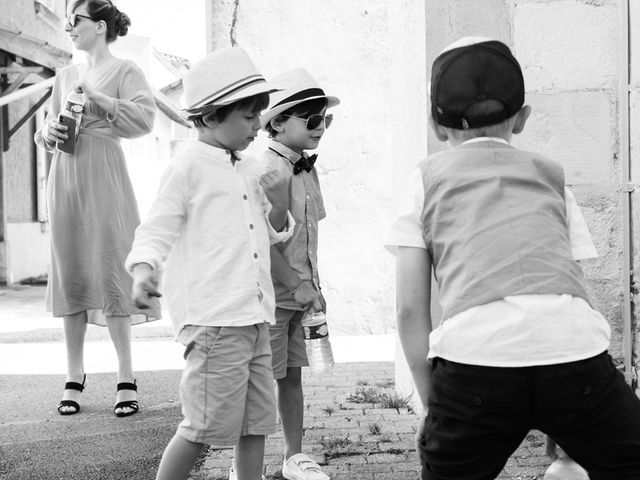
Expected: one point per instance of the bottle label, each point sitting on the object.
(314, 332)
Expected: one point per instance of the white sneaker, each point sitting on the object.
(301, 467)
(234, 476)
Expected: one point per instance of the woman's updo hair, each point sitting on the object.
(117, 21)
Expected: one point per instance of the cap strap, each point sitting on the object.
(301, 95)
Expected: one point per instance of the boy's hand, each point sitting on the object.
(308, 297)
(145, 285)
(276, 187)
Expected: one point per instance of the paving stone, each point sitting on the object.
(363, 455)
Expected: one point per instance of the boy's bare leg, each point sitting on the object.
(178, 459)
(249, 457)
(291, 410)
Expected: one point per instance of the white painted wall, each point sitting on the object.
(27, 251)
(346, 46)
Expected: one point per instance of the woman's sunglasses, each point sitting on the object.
(314, 121)
(72, 19)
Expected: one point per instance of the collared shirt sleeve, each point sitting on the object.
(406, 228)
(582, 247)
(276, 237)
(270, 162)
(156, 235)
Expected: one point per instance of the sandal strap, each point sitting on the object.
(132, 404)
(68, 403)
(74, 386)
(127, 404)
(127, 386)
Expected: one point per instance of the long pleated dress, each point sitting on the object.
(92, 209)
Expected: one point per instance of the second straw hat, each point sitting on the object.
(296, 86)
(222, 77)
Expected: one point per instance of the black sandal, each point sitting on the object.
(132, 404)
(71, 403)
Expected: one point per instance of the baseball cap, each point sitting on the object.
(471, 72)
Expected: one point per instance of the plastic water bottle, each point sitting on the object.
(564, 468)
(316, 339)
(73, 107)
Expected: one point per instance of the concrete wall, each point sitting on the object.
(634, 112)
(36, 20)
(24, 251)
(567, 49)
(346, 47)
(574, 94)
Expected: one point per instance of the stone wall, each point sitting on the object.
(569, 51)
(376, 57)
(346, 47)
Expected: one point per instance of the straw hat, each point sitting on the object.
(296, 86)
(221, 78)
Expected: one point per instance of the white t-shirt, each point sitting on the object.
(516, 331)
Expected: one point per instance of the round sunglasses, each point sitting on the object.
(313, 121)
(72, 20)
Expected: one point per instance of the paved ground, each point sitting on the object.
(355, 439)
(350, 436)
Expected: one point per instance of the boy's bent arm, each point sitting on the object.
(413, 301)
(303, 291)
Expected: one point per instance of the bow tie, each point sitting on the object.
(304, 164)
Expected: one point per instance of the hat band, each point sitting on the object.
(230, 89)
(301, 95)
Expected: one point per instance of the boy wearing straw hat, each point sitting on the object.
(296, 120)
(213, 220)
(520, 346)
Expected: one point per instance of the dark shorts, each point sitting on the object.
(478, 416)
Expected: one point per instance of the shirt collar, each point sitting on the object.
(485, 139)
(218, 152)
(285, 151)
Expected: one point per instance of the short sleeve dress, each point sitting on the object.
(92, 209)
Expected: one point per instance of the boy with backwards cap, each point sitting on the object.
(520, 346)
(213, 220)
(296, 120)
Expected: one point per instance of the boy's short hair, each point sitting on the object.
(254, 104)
(475, 82)
(302, 110)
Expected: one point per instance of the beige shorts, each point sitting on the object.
(226, 388)
(287, 342)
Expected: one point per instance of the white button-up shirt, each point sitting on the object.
(210, 224)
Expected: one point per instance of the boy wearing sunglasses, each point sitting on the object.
(296, 120)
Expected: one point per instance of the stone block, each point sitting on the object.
(567, 44)
(575, 129)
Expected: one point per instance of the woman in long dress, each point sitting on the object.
(92, 208)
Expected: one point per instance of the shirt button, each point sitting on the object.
(251, 226)
(255, 255)
(244, 196)
(308, 197)
(476, 400)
